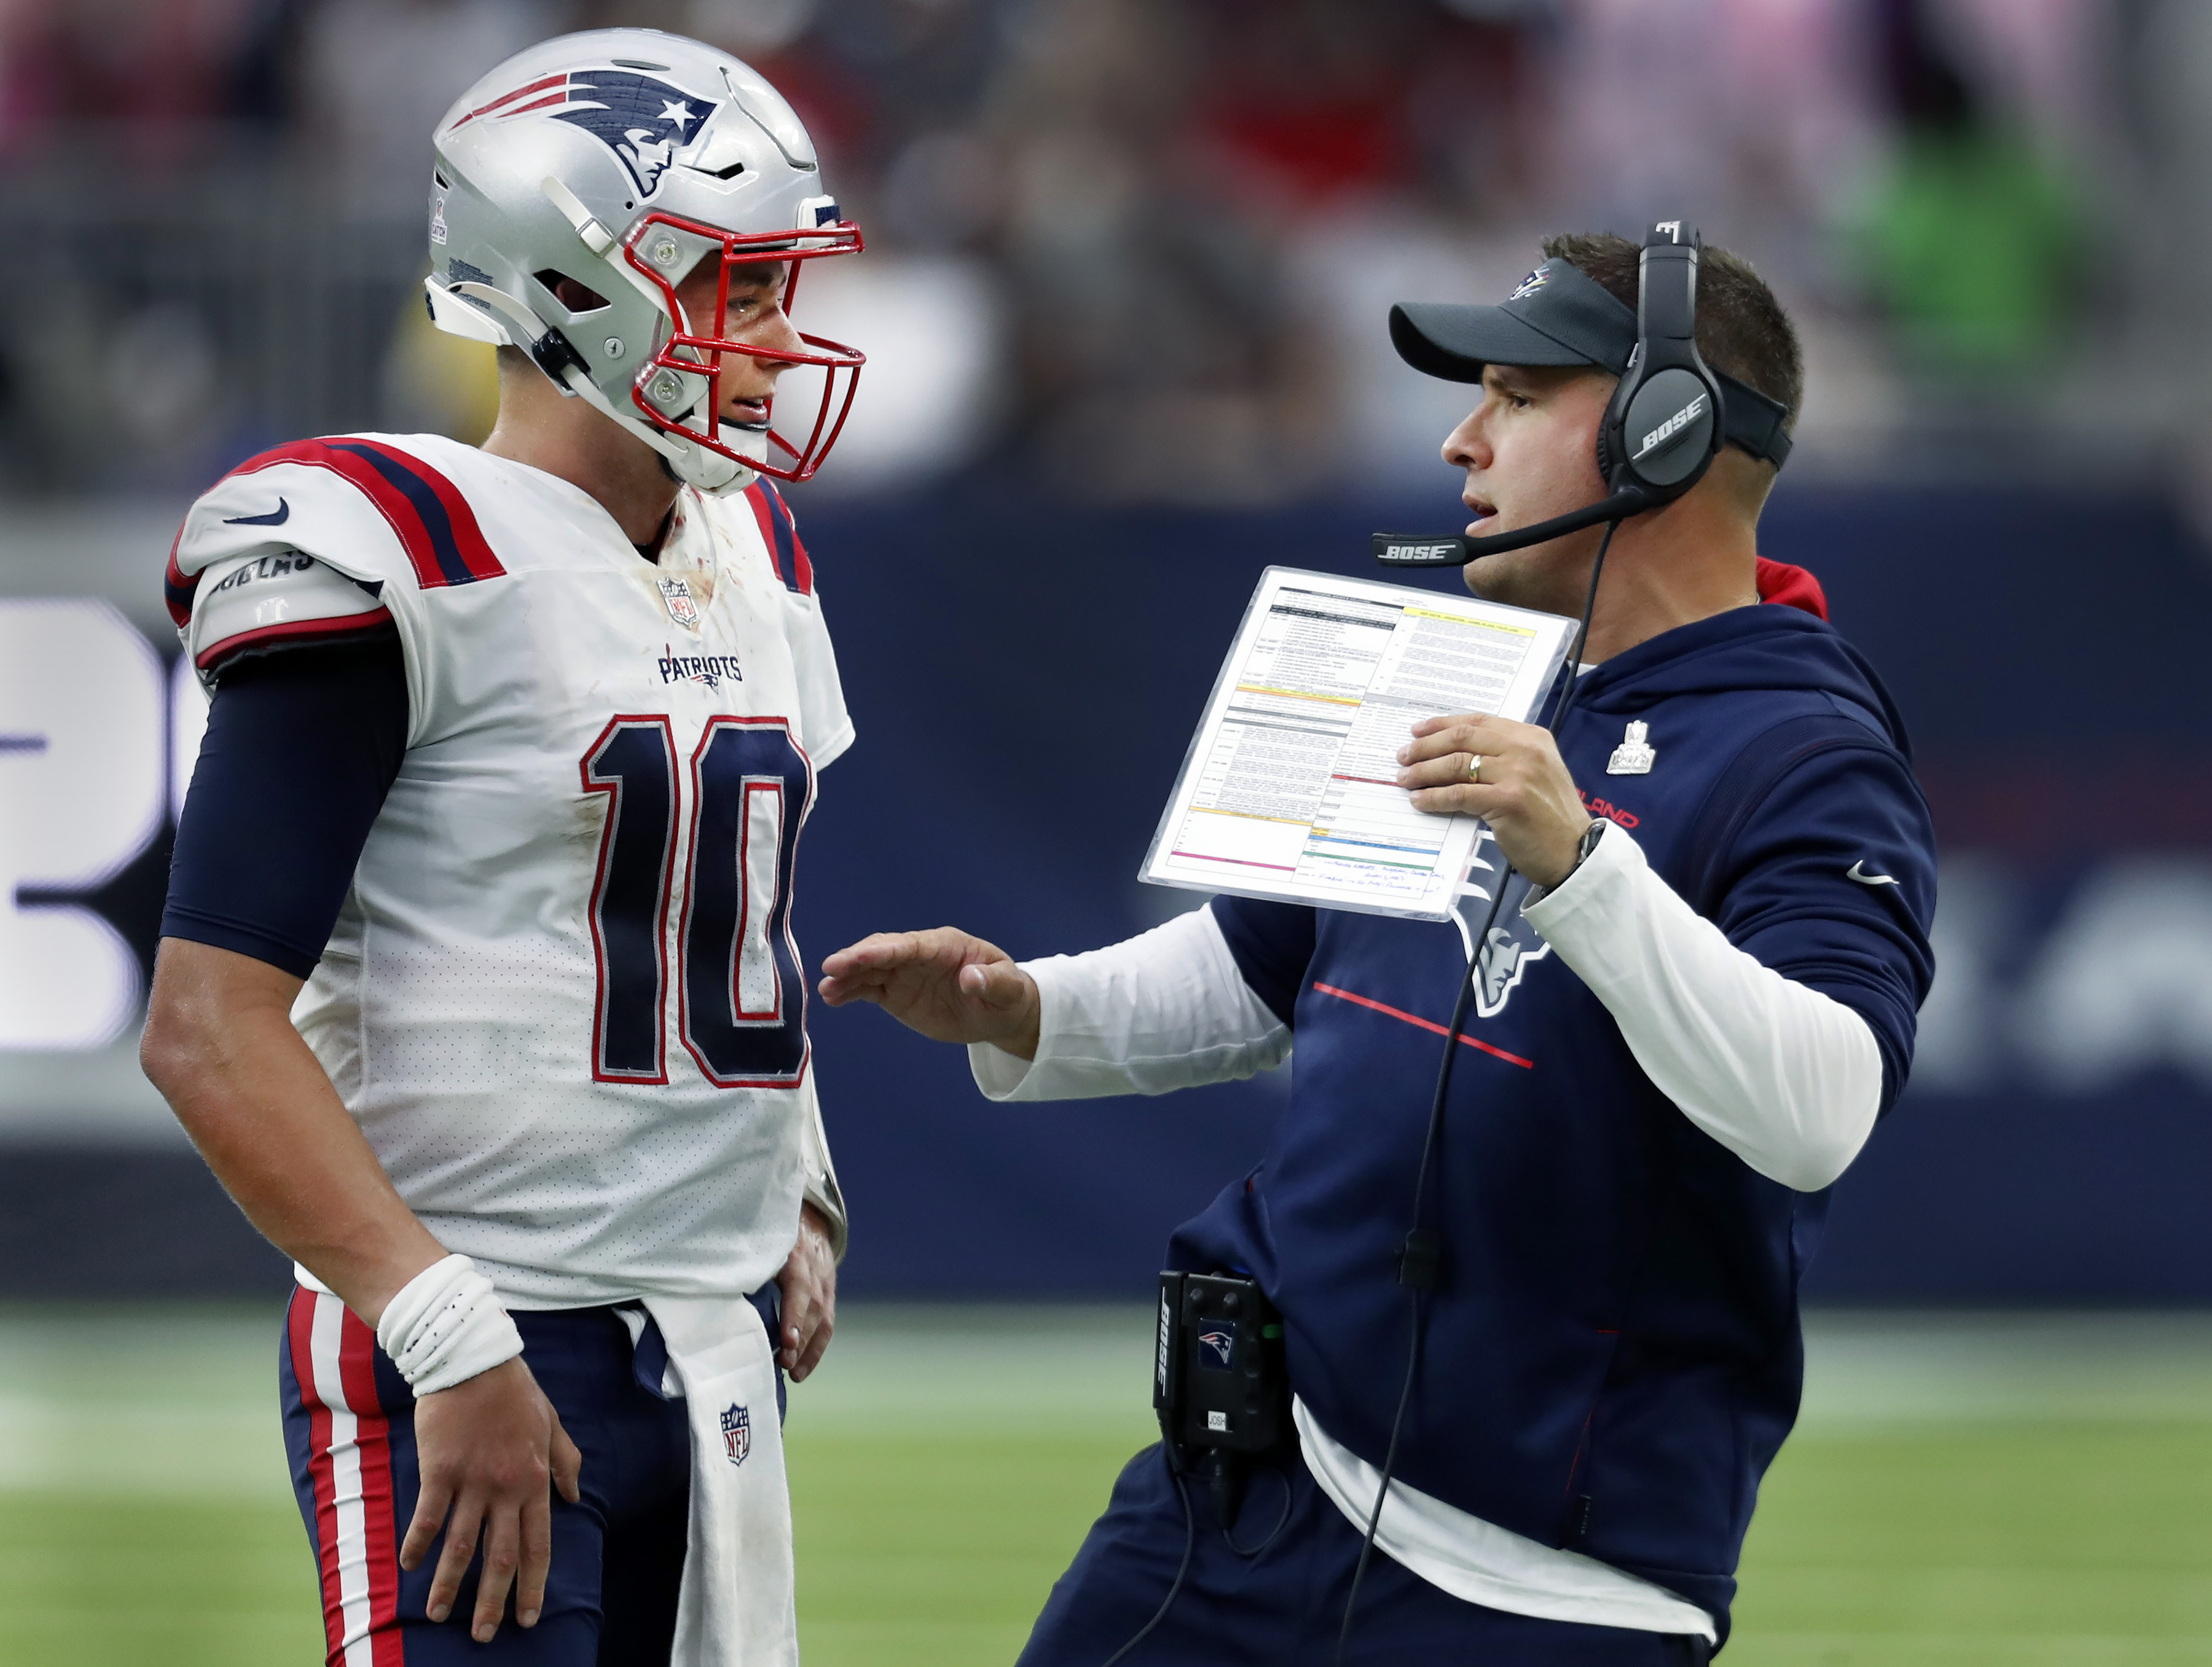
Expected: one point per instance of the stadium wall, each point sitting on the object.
(1024, 674)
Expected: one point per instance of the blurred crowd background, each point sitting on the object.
(1123, 301)
(1147, 240)
(1128, 263)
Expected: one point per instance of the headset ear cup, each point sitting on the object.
(1604, 450)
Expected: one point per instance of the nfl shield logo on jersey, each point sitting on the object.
(737, 1433)
(676, 593)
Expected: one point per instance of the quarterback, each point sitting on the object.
(1692, 992)
(478, 987)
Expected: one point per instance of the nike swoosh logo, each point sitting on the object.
(276, 517)
(1855, 872)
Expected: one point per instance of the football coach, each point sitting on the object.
(1695, 998)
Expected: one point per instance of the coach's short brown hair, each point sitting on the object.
(1743, 330)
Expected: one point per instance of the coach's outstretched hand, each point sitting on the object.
(486, 1450)
(942, 983)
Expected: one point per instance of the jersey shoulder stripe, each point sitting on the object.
(259, 604)
(434, 522)
(781, 537)
(427, 513)
(177, 586)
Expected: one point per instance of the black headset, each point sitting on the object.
(1662, 430)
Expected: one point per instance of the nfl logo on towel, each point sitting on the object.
(737, 1434)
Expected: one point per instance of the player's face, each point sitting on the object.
(755, 316)
(1530, 452)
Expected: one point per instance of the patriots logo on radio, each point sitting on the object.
(641, 119)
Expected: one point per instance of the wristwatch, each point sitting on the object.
(1583, 847)
(1586, 844)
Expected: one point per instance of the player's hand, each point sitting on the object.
(1525, 793)
(942, 983)
(809, 1284)
(485, 1450)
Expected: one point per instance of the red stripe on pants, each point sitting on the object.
(299, 1322)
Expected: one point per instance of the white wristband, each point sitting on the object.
(445, 1326)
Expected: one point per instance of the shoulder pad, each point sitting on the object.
(781, 535)
(253, 604)
(362, 503)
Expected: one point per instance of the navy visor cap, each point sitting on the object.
(1560, 315)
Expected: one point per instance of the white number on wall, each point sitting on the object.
(82, 789)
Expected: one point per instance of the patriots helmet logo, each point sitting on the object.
(643, 119)
(1529, 285)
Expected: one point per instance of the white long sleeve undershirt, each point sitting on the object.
(1786, 1078)
(1164, 1010)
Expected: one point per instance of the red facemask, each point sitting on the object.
(693, 354)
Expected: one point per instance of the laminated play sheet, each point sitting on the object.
(1290, 788)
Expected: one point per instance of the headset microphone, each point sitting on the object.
(1457, 549)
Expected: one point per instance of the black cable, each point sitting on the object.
(1582, 636)
(1420, 1256)
(1274, 1534)
(1189, 1540)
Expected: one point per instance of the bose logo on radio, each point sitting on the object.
(1414, 553)
(1673, 426)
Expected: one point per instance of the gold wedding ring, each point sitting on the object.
(1474, 767)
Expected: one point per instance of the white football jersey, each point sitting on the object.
(562, 999)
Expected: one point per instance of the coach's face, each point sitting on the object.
(1530, 452)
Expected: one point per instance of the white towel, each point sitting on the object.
(736, 1607)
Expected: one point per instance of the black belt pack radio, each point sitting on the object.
(1218, 1379)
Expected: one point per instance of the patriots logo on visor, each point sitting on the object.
(643, 119)
(1536, 281)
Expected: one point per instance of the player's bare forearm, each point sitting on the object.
(220, 1045)
(947, 985)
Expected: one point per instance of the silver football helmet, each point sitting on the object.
(620, 159)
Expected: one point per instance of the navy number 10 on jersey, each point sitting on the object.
(741, 1002)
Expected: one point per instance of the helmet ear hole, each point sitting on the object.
(573, 293)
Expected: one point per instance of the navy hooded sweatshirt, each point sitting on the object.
(1614, 1355)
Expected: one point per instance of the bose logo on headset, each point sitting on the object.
(1397, 552)
(1673, 426)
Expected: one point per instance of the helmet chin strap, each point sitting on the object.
(692, 463)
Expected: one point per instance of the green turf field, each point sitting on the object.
(1962, 1490)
